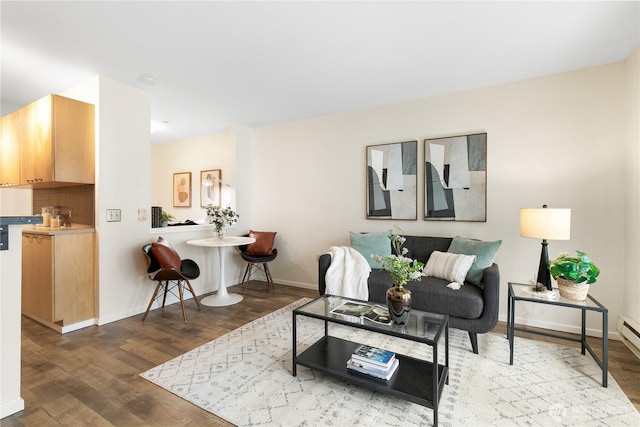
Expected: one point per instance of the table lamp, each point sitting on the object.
(545, 224)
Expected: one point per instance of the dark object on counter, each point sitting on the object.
(187, 222)
(156, 216)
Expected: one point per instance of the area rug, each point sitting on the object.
(245, 378)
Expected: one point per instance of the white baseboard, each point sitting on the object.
(134, 311)
(79, 325)
(11, 408)
(296, 284)
(63, 329)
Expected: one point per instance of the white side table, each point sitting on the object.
(222, 297)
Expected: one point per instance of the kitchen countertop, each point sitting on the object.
(13, 219)
(52, 231)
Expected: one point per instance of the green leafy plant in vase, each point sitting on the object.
(220, 218)
(402, 269)
(574, 274)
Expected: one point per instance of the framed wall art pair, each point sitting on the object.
(454, 179)
(210, 188)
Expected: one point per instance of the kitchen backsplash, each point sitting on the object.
(79, 199)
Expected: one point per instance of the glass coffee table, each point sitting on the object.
(415, 380)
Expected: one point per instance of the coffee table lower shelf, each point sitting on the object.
(412, 381)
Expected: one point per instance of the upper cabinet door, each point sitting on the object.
(36, 156)
(10, 150)
(57, 141)
(73, 140)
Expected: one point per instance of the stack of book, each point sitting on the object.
(373, 361)
(156, 216)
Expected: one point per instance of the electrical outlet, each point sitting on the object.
(113, 215)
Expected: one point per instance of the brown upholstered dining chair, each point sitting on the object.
(165, 266)
(258, 255)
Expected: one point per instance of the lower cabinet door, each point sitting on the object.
(37, 276)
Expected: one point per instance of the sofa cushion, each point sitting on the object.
(371, 244)
(448, 266)
(431, 294)
(485, 253)
(421, 247)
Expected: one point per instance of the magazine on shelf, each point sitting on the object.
(374, 356)
(385, 374)
(355, 312)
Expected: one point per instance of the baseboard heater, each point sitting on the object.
(629, 331)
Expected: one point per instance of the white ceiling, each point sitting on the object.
(260, 63)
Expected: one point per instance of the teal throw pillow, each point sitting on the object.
(485, 253)
(371, 244)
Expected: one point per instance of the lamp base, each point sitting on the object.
(544, 277)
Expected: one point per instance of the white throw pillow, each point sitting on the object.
(448, 266)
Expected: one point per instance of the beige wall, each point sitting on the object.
(632, 196)
(211, 152)
(229, 151)
(559, 140)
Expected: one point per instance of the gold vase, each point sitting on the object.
(399, 304)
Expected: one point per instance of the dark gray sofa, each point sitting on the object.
(469, 308)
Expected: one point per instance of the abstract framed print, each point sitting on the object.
(456, 178)
(392, 181)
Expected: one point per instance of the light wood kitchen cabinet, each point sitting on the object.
(58, 278)
(10, 150)
(57, 141)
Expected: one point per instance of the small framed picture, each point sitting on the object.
(210, 187)
(182, 190)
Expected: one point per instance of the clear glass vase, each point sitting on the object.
(218, 232)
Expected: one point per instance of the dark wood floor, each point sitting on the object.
(91, 376)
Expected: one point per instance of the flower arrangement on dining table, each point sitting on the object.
(221, 217)
(402, 268)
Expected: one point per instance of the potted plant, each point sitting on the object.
(574, 274)
(166, 217)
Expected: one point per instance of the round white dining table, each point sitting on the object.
(222, 297)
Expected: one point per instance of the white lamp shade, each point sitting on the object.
(545, 223)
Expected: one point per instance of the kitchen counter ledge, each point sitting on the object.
(52, 231)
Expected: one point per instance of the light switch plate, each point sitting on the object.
(142, 214)
(113, 215)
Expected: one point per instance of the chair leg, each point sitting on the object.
(184, 313)
(247, 275)
(153, 298)
(166, 289)
(194, 294)
(267, 272)
(474, 341)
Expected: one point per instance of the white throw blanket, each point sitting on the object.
(348, 273)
